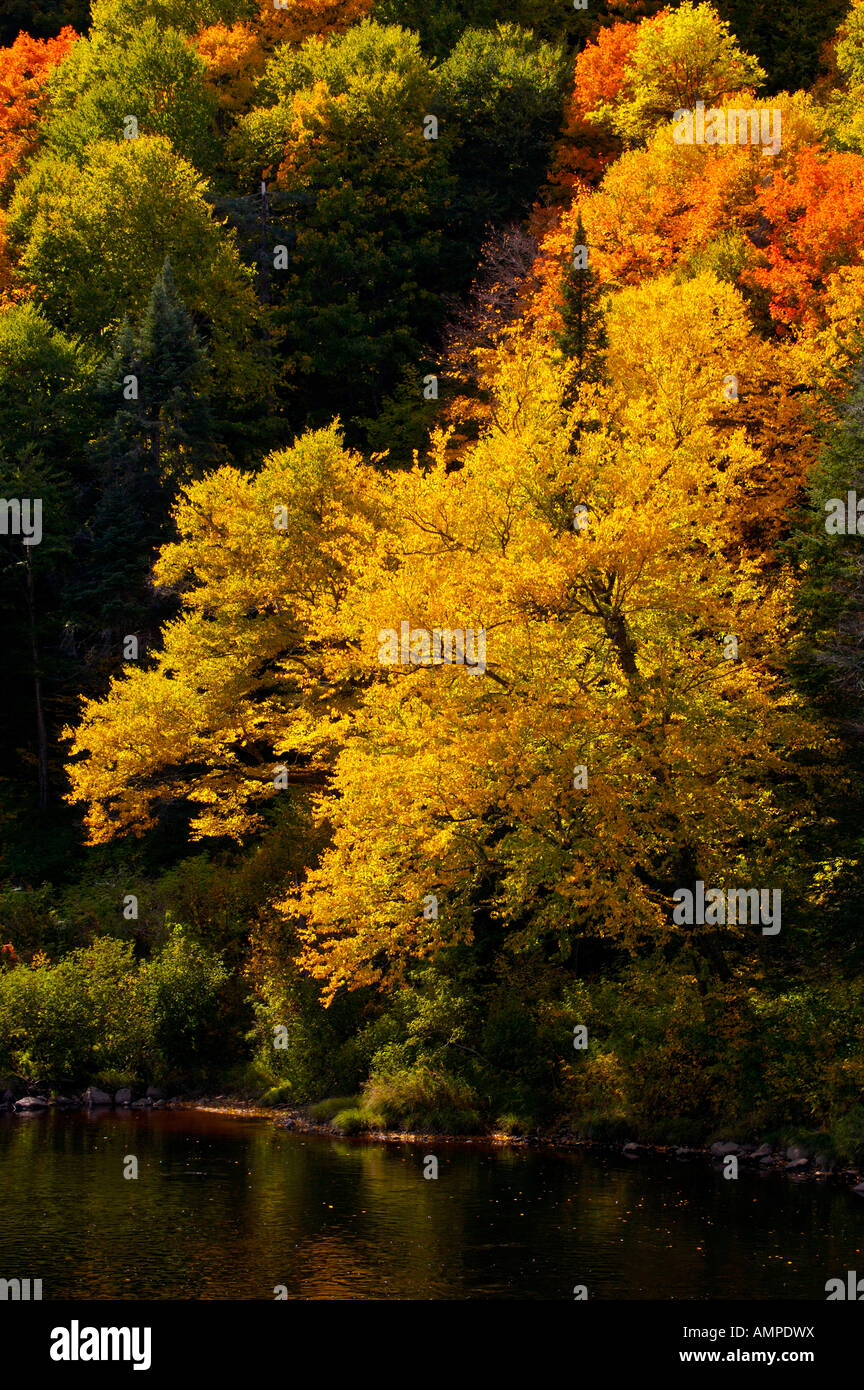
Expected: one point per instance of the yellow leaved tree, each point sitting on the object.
(536, 693)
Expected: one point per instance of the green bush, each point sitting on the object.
(324, 1110)
(97, 1015)
(421, 1099)
(351, 1121)
(72, 1021)
(178, 993)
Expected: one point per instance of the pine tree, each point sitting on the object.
(582, 337)
(159, 436)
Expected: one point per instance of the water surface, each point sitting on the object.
(229, 1208)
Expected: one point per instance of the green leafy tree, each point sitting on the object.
(502, 90)
(92, 237)
(159, 375)
(845, 118)
(45, 388)
(150, 76)
(345, 133)
(686, 55)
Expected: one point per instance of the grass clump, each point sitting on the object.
(419, 1099)
(277, 1095)
(351, 1121)
(324, 1111)
(513, 1124)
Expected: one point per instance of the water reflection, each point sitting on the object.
(225, 1208)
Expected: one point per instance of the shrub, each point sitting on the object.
(96, 1015)
(421, 1099)
(352, 1121)
(324, 1110)
(72, 1021)
(178, 993)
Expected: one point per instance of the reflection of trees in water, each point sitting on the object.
(229, 1209)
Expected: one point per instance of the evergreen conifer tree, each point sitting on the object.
(582, 337)
(159, 435)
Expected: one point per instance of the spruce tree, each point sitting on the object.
(158, 435)
(582, 337)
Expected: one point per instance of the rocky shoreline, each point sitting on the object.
(153, 1098)
(791, 1161)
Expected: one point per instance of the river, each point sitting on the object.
(228, 1208)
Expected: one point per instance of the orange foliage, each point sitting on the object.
(235, 58)
(816, 210)
(24, 70)
(655, 209)
(300, 19)
(584, 150)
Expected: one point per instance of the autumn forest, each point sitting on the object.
(432, 608)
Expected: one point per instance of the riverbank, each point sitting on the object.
(792, 1161)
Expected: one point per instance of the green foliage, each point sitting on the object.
(121, 18)
(93, 238)
(178, 992)
(344, 128)
(582, 336)
(152, 75)
(352, 1121)
(724, 256)
(669, 1062)
(501, 91)
(849, 52)
(844, 122)
(96, 1012)
(691, 56)
(422, 1100)
(323, 1111)
(45, 381)
(156, 380)
(72, 1020)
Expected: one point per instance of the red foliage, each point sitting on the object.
(815, 208)
(24, 70)
(584, 150)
